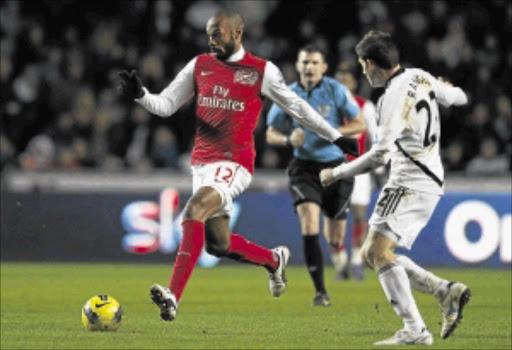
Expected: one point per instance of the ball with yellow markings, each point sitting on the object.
(102, 313)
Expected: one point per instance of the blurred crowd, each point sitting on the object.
(59, 62)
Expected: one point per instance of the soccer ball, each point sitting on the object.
(102, 313)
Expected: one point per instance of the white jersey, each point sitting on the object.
(408, 128)
(369, 113)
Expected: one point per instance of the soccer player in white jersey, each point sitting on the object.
(408, 131)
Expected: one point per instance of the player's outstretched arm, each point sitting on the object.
(175, 95)
(363, 164)
(376, 157)
(449, 95)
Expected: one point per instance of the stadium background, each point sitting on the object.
(74, 155)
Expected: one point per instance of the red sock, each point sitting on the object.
(190, 248)
(358, 231)
(241, 249)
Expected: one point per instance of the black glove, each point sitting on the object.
(348, 145)
(130, 84)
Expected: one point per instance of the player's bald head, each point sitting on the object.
(232, 17)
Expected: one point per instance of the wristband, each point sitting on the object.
(288, 142)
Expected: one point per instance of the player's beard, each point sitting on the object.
(229, 49)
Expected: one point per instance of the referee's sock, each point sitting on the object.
(314, 261)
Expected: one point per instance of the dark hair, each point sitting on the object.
(311, 48)
(378, 47)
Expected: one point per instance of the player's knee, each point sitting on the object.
(366, 256)
(216, 248)
(195, 210)
(372, 255)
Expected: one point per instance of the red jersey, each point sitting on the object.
(229, 103)
(361, 139)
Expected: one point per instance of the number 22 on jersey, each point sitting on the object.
(432, 127)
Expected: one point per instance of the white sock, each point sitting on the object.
(421, 279)
(339, 259)
(395, 283)
(357, 257)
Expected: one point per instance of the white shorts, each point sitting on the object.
(362, 190)
(227, 178)
(401, 213)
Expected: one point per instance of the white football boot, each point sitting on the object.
(165, 300)
(452, 306)
(277, 278)
(403, 337)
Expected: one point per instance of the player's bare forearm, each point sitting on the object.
(276, 138)
(353, 127)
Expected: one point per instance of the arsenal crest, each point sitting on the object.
(246, 77)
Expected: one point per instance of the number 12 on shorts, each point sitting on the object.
(224, 174)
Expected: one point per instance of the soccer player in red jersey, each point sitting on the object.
(228, 84)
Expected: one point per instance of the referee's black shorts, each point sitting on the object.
(305, 186)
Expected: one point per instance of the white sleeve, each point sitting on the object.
(370, 117)
(175, 95)
(274, 87)
(358, 166)
(386, 134)
(448, 95)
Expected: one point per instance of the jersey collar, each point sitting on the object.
(237, 56)
(317, 86)
(397, 73)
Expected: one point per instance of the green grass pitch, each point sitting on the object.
(229, 307)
